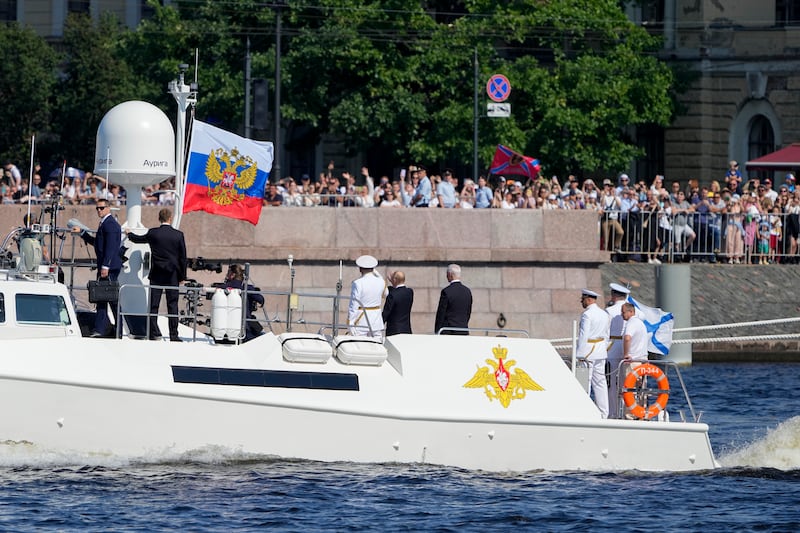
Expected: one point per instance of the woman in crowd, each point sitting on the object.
(390, 200)
(467, 197)
(73, 190)
(508, 201)
(751, 218)
(365, 199)
(791, 226)
(734, 232)
(529, 200)
(311, 196)
(591, 202)
(93, 194)
(588, 187)
(292, 196)
(650, 242)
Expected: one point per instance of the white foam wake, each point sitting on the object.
(25, 454)
(780, 448)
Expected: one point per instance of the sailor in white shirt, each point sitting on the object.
(364, 314)
(619, 294)
(634, 335)
(592, 343)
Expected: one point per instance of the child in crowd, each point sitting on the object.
(776, 228)
(764, 229)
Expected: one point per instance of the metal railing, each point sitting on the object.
(735, 238)
(559, 345)
(191, 314)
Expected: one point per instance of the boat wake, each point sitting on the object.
(16, 454)
(779, 449)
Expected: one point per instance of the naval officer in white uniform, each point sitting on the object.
(592, 343)
(364, 314)
(619, 295)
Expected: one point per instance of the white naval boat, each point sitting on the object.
(476, 401)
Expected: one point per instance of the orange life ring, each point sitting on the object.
(646, 369)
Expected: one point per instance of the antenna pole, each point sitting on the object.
(185, 96)
(30, 180)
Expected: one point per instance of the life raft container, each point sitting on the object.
(629, 397)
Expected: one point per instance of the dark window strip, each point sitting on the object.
(264, 378)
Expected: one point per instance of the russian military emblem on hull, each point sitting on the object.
(501, 383)
(233, 173)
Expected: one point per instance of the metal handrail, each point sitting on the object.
(521, 332)
(195, 318)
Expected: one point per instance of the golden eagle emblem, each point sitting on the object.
(233, 173)
(499, 382)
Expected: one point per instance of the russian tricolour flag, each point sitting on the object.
(226, 174)
(659, 326)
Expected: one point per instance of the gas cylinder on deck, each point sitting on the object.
(234, 326)
(219, 314)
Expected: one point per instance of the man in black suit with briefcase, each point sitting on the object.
(167, 269)
(455, 304)
(397, 308)
(106, 241)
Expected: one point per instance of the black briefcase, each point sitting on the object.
(103, 290)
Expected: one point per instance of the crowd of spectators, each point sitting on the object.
(728, 220)
(79, 188)
(416, 189)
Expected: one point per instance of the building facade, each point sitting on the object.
(47, 17)
(744, 99)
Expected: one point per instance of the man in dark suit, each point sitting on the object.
(107, 241)
(455, 304)
(167, 268)
(397, 308)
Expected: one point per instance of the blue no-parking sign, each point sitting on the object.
(498, 88)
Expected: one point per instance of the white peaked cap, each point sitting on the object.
(366, 261)
(592, 294)
(616, 287)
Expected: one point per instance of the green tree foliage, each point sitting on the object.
(95, 79)
(218, 31)
(392, 73)
(27, 77)
(392, 77)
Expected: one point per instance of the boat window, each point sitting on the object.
(42, 309)
(2, 308)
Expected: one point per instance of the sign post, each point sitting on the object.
(498, 89)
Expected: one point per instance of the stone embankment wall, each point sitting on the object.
(528, 265)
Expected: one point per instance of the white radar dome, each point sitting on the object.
(135, 145)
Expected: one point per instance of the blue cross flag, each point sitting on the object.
(659, 326)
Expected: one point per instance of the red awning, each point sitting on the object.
(784, 159)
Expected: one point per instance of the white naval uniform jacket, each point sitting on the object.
(593, 336)
(364, 312)
(615, 332)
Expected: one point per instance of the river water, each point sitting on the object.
(753, 411)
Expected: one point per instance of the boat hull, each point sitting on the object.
(115, 397)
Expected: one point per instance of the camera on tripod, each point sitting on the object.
(198, 263)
